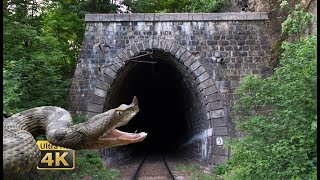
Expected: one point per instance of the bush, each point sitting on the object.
(278, 115)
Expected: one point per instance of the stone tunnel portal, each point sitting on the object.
(171, 111)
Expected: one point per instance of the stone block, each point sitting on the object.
(155, 43)
(133, 48)
(216, 114)
(219, 122)
(189, 61)
(219, 150)
(100, 92)
(90, 114)
(114, 67)
(97, 100)
(199, 71)
(205, 84)
(102, 85)
(137, 17)
(196, 16)
(220, 131)
(217, 159)
(180, 52)
(146, 44)
(212, 42)
(118, 62)
(122, 56)
(121, 17)
(108, 71)
(168, 46)
(256, 16)
(195, 65)
(214, 105)
(185, 56)
(174, 48)
(140, 46)
(95, 108)
(106, 78)
(203, 77)
(162, 44)
(210, 90)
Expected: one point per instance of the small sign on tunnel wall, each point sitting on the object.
(219, 141)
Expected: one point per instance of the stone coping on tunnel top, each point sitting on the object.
(231, 16)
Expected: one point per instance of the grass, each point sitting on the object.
(195, 172)
(88, 163)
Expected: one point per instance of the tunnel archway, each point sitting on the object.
(178, 100)
(171, 110)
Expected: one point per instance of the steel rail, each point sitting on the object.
(168, 169)
(135, 176)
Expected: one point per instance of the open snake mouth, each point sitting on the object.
(116, 134)
(115, 137)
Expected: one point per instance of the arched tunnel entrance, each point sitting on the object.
(171, 110)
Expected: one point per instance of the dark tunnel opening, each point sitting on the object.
(167, 103)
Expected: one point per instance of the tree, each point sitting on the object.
(42, 40)
(172, 6)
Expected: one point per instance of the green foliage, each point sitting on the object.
(194, 172)
(79, 119)
(297, 21)
(42, 40)
(278, 117)
(88, 163)
(220, 169)
(207, 6)
(154, 6)
(31, 77)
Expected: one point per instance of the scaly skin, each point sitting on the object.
(21, 154)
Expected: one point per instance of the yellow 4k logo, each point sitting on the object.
(55, 157)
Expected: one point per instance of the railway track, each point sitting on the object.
(153, 167)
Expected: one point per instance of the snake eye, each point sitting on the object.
(119, 113)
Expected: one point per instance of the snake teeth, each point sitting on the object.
(118, 138)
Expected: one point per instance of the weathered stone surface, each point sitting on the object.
(102, 85)
(95, 108)
(108, 71)
(216, 114)
(203, 77)
(141, 17)
(219, 150)
(195, 65)
(219, 122)
(213, 97)
(207, 83)
(220, 131)
(199, 71)
(210, 90)
(107, 79)
(180, 52)
(100, 92)
(215, 105)
(174, 48)
(97, 100)
(218, 159)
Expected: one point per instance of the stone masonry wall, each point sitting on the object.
(199, 40)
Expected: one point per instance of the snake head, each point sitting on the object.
(121, 116)
(100, 130)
